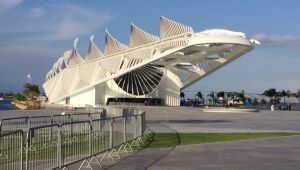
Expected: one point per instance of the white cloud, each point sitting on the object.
(54, 23)
(6, 5)
(77, 21)
(26, 50)
(278, 40)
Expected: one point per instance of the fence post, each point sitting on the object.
(59, 147)
(21, 147)
(90, 134)
(90, 138)
(111, 133)
(143, 126)
(26, 150)
(51, 130)
(70, 117)
(29, 123)
(124, 129)
(135, 126)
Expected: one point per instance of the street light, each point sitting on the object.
(29, 78)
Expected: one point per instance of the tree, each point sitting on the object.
(278, 94)
(31, 90)
(249, 100)
(263, 101)
(255, 101)
(221, 94)
(241, 96)
(229, 95)
(19, 97)
(211, 94)
(270, 93)
(283, 94)
(289, 95)
(199, 95)
(297, 95)
(275, 100)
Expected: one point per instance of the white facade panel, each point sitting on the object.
(85, 97)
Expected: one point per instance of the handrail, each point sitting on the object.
(59, 145)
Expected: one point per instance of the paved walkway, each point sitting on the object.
(190, 120)
(273, 153)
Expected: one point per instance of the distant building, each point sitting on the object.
(151, 70)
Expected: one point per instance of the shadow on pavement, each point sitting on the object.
(145, 158)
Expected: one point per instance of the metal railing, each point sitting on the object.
(11, 152)
(125, 104)
(59, 145)
(160, 116)
(24, 123)
(41, 148)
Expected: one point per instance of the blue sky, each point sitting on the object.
(34, 33)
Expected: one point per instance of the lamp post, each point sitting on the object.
(29, 78)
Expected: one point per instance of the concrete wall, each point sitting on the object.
(100, 93)
(85, 97)
(168, 89)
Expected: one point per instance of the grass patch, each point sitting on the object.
(159, 140)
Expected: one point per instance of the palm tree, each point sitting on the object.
(255, 101)
(229, 95)
(212, 96)
(221, 94)
(283, 94)
(297, 95)
(31, 91)
(199, 94)
(270, 93)
(241, 96)
(249, 100)
(289, 95)
(263, 101)
(278, 97)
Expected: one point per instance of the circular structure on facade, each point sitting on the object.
(142, 80)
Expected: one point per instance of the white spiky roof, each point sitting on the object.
(169, 28)
(112, 45)
(140, 37)
(93, 51)
(74, 57)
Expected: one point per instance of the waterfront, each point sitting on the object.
(6, 105)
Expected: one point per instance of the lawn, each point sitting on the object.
(159, 140)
